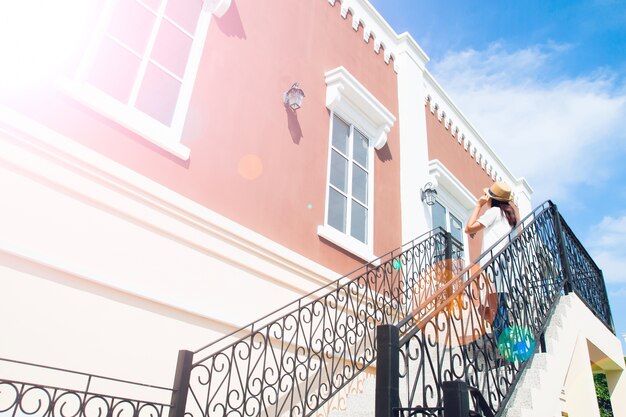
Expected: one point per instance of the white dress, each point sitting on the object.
(496, 226)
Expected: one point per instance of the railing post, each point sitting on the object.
(387, 370)
(455, 399)
(560, 238)
(448, 263)
(178, 402)
(448, 253)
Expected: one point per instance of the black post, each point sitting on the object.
(448, 253)
(455, 399)
(448, 276)
(560, 238)
(181, 383)
(387, 370)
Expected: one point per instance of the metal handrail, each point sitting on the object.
(462, 278)
(20, 397)
(295, 359)
(107, 378)
(294, 305)
(452, 335)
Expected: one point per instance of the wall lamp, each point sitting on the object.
(293, 97)
(429, 194)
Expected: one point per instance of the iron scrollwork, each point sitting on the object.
(293, 362)
(484, 325)
(18, 398)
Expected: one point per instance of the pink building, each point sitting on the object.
(159, 194)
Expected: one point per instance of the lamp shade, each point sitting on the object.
(294, 97)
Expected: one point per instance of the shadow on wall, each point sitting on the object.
(293, 125)
(230, 24)
(384, 154)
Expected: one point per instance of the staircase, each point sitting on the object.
(456, 334)
(318, 355)
(540, 385)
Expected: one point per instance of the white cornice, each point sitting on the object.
(411, 47)
(451, 183)
(375, 26)
(462, 130)
(218, 7)
(345, 94)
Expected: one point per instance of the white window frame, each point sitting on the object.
(349, 100)
(166, 137)
(344, 239)
(452, 208)
(454, 195)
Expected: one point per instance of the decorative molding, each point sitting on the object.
(376, 27)
(464, 133)
(348, 97)
(347, 243)
(84, 162)
(451, 183)
(218, 7)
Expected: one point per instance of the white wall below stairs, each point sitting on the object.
(561, 379)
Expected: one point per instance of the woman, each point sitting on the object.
(497, 221)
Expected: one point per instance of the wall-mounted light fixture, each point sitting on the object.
(293, 97)
(429, 194)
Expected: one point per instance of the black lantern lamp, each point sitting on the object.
(429, 194)
(293, 97)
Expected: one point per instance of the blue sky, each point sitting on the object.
(545, 84)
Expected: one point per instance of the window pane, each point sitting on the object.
(439, 216)
(359, 183)
(171, 48)
(361, 144)
(339, 171)
(358, 223)
(456, 228)
(132, 23)
(158, 94)
(184, 13)
(341, 132)
(337, 210)
(114, 70)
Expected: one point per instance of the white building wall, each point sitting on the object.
(104, 271)
(414, 173)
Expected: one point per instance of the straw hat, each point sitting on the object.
(499, 191)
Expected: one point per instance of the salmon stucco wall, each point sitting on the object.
(446, 148)
(252, 160)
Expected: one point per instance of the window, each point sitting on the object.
(442, 217)
(141, 65)
(359, 124)
(349, 181)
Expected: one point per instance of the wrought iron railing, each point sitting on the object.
(587, 279)
(294, 360)
(64, 393)
(484, 334)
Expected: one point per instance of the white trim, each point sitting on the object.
(375, 26)
(218, 7)
(126, 114)
(449, 113)
(457, 190)
(347, 96)
(85, 163)
(129, 117)
(346, 242)
(452, 206)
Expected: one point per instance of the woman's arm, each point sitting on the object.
(473, 225)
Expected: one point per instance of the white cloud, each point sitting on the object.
(553, 132)
(608, 249)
